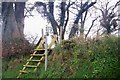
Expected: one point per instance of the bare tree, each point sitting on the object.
(109, 17)
(49, 13)
(83, 8)
(64, 15)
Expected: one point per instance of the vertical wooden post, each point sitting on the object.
(60, 33)
(46, 52)
(42, 33)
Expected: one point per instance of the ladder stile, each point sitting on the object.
(39, 55)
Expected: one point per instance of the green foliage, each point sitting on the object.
(57, 49)
(97, 59)
(67, 44)
(11, 67)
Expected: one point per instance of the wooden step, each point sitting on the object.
(39, 49)
(30, 66)
(34, 60)
(37, 54)
(22, 71)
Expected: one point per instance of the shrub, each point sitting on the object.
(67, 44)
(16, 47)
(96, 59)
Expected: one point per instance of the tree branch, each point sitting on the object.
(28, 12)
(90, 27)
(85, 16)
(67, 9)
(82, 11)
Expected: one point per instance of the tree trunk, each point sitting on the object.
(51, 17)
(73, 30)
(82, 29)
(62, 20)
(19, 15)
(10, 28)
(13, 24)
(84, 8)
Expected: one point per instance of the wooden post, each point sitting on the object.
(46, 52)
(60, 33)
(42, 33)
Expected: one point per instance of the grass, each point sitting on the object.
(11, 67)
(91, 59)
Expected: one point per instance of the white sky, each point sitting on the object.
(33, 25)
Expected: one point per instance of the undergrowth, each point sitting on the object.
(90, 59)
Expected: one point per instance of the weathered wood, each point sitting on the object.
(30, 66)
(34, 60)
(37, 54)
(22, 71)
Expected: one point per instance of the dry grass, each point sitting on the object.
(16, 47)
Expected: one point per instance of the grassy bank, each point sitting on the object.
(89, 59)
